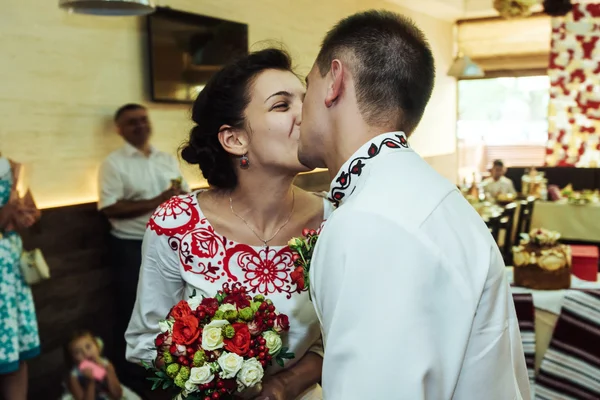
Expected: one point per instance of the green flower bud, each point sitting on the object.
(246, 314)
(269, 302)
(259, 298)
(254, 306)
(180, 382)
(168, 358)
(228, 331)
(199, 358)
(218, 315)
(184, 373)
(173, 370)
(230, 315)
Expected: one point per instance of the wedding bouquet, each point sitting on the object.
(302, 248)
(216, 347)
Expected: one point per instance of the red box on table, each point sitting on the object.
(585, 262)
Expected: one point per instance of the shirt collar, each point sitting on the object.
(131, 150)
(348, 176)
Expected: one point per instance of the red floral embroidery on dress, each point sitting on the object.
(264, 271)
(175, 216)
(203, 251)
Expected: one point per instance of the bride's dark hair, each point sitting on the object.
(223, 102)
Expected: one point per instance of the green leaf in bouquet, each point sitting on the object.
(146, 365)
(166, 385)
(157, 382)
(162, 374)
(279, 361)
(193, 294)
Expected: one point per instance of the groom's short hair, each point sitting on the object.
(390, 61)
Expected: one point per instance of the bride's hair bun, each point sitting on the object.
(223, 102)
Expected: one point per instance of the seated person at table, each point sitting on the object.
(498, 184)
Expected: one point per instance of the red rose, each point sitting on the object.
(160, 340)
(239, 300)
(298, 277)
(240, 342)
(185, 330)
(282, 323)
(210, 303)
(180, 310)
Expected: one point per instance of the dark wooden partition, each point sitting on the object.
(79, 293)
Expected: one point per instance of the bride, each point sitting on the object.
(245, 142)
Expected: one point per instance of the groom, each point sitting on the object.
(407, 281)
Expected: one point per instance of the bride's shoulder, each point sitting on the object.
(176, 216)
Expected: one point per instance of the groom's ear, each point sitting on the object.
(336, 84)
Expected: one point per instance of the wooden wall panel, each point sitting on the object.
(79, 293)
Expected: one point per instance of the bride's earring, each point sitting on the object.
(244, 162)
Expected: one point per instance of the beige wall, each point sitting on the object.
(63, 75)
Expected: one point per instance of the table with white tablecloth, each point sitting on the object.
(574, 222)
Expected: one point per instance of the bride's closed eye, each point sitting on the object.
(280, 107)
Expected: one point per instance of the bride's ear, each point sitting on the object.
(235, 141)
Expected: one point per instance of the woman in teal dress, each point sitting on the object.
(19, 339)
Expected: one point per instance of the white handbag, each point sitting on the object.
(34, 267)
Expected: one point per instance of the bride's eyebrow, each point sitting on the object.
(280, 93)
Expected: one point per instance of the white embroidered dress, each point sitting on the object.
(182, 253)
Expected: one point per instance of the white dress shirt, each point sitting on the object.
(127, 174)
(501, 186)
(182, 253)
(410, 288)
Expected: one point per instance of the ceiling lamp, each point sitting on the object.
(108, 7)
(464, 67)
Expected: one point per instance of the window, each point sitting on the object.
(504, 118)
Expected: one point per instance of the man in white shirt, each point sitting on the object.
(133, 181)
(407, 282)
(497, 183)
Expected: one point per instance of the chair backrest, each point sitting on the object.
(506, 224)
(493, 224)
(525, 213)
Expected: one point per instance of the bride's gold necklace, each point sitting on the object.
(265, 241)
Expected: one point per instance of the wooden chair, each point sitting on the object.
(525, 214)
(505, 225)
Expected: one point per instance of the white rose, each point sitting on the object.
(251, 373)
(230, 364)
(273, 342)
(194, 302)
(227, 307)
(165, 326)
(200, 375)
(189, 388)
(212, 337)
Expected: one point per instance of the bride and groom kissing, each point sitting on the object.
(409, 295)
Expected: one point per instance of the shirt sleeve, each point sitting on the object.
(395, 318)
(160, 287)
(110, 185)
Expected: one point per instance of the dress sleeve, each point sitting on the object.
(160, 287)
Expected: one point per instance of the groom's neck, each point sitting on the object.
(348, 138)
